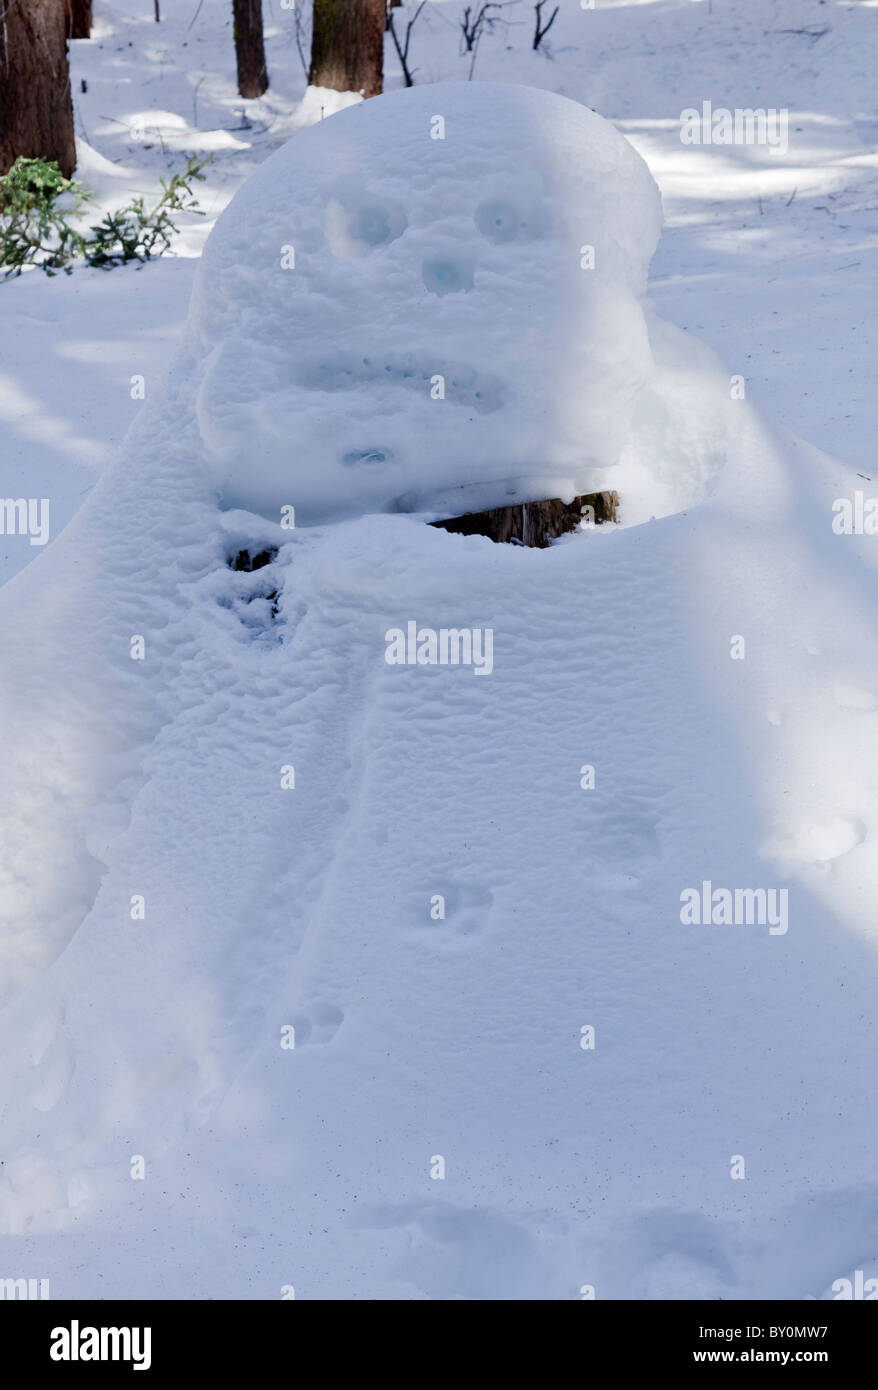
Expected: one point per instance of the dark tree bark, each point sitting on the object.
(250, 48)
(36, 110)
(347, 45)
(78, 19)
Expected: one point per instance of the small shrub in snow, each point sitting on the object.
(34, 228)
(37, 203)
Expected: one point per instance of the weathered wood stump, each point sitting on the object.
(534, 523)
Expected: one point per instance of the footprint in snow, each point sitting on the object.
(855, 697)
(55, 1074)
(669, 1254)
(318, 1025)
(817, 844)
(45, 1031)
(452, 910)
(822, 841)
(457, 1252)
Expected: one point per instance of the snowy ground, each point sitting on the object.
(417, 1038)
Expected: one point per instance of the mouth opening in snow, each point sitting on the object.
(264, 588)
(535, 524)
(247, 561)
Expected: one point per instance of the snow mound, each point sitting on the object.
(439, 289)
(227, 818)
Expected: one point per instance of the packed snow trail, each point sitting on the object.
(421, 1038)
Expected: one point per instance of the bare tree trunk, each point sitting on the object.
(347, 45)
(78, 19)
(36, 110)
(250, 48)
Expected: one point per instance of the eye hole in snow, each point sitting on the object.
(518, 219)
(445, 276)
(371, 225)
(497, 221)
(357, 224)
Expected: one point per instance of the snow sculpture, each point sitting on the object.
(431, 301)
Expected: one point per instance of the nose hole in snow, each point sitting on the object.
(447, 276)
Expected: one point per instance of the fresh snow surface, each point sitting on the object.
(459, 1038)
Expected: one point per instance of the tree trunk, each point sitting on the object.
(535, 523)
(347, 45)
(250, 48)
(78, 19)
(36, 110)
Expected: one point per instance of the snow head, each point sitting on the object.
(430, 301)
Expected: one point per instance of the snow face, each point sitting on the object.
(432, 300)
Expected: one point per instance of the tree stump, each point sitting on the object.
(534, 523)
